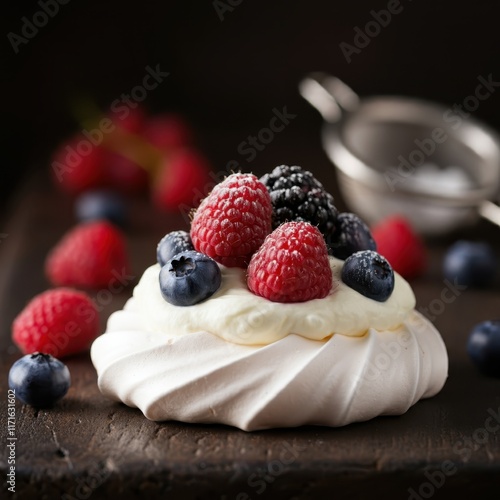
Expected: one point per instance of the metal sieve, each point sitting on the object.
(407, 156)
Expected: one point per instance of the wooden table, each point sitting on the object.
(90, 447)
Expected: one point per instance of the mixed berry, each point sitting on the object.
(136, 153)
(281, 229)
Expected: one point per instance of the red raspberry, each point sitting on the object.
(131, 120)
(58, 322)
(75, 172)
(233, 220)
(291, 265)
(183, 177)
(167, 132)
(90, 255)
(401, 246)
(124, 174)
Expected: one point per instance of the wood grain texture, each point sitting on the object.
(90, 447)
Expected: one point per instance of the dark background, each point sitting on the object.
(227, 76)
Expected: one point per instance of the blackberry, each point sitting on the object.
(352, 236)
(297, 195)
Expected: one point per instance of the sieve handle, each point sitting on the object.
(329, 95)
(490, 211)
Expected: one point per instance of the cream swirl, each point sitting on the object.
(293, 381)
(237, 315)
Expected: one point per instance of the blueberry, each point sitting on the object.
(39, 379)
(370, 274)
(172, 244)
(351, 235)
(483, 347)
(470, 264)
(188, 278)
(101, 204)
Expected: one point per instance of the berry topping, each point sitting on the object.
(90, 255)
(101, 204)
(352, 235)
(401, 246)
(59, 322)
(188, 278)
(39, 379)
(172, 244)
(470, 263)
(292, 265)
(233, 220)
(297, 195)
(369, 274)
(483, 347)
(183, 176)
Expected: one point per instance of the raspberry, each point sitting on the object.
(401, 246)
(167, 132)
(297, 195)
(184, 175)
(59, 322)
(233, 220)
(90, 255)
(124, 174)
(291, 265)
(74, 172)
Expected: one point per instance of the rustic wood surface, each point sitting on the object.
(90, 447)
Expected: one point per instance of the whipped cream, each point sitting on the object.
(237, 315)
(201, 378)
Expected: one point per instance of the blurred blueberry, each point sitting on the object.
(470, 263)
(101, 204)
(483, 347)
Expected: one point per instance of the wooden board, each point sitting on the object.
(90, 447)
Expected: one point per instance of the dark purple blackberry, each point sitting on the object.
(297, 195)
(352, 235)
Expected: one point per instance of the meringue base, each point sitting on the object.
(201, 378)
